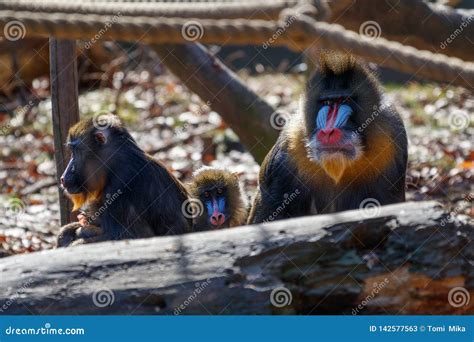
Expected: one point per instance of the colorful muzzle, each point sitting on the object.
(331, 118)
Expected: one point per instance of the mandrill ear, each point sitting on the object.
(102, 136)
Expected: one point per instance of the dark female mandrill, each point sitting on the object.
(344, 148)
(125, 193)
(221, 199)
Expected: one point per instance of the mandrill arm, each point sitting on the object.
(280, 194)
(75, 233)
(82, 232)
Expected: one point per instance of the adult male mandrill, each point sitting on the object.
(344, 148)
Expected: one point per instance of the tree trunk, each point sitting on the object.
(243, 110)
(409, 258)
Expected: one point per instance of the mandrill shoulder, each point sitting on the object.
(165, 173)
(276, 163)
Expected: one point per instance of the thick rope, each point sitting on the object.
(296, 30)
(155, 1)
(420, 63)
(266, 10)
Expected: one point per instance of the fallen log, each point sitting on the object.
(404, 259)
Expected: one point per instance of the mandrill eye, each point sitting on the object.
(220, 191)
(207, 194)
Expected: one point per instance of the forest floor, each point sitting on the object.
(177, 128)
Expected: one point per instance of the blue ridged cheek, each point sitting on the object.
(322, 117)
(221, 204)
(210, 208)
(342, 116)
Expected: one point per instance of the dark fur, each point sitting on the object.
(378, 174)
(147, 198)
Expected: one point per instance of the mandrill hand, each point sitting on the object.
(67, 234)
(78, 233)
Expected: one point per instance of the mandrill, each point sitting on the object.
(222, 200)
(345, 147)
(125, 193)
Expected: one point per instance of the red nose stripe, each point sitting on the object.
(332, 115)
(216, 207)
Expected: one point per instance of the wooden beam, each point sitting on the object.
(65, 107)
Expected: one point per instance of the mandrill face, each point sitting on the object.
(335, 133)
(215, 201)
(332, 120)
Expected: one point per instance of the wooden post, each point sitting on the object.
(65, 108)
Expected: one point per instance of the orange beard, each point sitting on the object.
(79, 200)
(335, 166)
